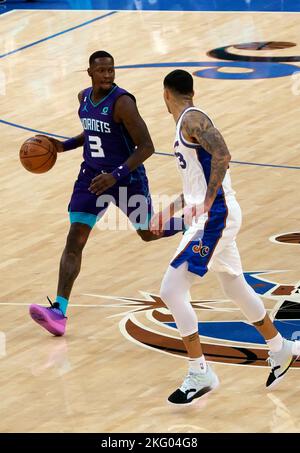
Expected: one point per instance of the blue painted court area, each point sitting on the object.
(240, 331)
(155, 5)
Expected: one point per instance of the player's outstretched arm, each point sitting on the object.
(159, 219)
(78, 140)
(74, 142)
(197, 128)
(67, 145)
(71, 143)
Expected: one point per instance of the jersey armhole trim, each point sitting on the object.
(188, 144)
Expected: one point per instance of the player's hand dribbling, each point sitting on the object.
(58, 145)
(101, 183)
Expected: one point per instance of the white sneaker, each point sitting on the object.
(280, 362)
(194, 386)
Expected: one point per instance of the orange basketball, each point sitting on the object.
(38, 154)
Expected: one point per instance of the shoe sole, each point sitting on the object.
(44, 321)
(277, 381)
(214, 387)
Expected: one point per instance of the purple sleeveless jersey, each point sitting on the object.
(107, 144)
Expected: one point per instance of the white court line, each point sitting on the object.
(8, 12)
(24, 304)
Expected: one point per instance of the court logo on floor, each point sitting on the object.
(233, 63)
(148, 323)
(286, 238)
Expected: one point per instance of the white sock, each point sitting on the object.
(198, 365)
(275, 343)
(296, 348)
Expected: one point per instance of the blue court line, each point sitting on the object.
(289, 167)
(58, 34)
(8, 123)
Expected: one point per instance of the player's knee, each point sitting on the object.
(74, 247)
(77, 238)
(146, 235)
(259, 317)
(165, 293)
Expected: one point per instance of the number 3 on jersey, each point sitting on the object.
(182, 162)
(95, 146)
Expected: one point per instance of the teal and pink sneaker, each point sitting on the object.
(51, 318)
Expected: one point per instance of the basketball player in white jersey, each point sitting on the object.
(213, 217)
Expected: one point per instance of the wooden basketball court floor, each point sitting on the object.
(102, 377)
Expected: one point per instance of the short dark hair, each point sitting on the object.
(179, 81)
(99, 54)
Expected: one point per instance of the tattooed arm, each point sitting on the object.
(197, 128)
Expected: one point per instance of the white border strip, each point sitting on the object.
(161, 11)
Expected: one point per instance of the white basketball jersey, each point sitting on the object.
(194, 164)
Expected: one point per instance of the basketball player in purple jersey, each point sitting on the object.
(116, 142)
